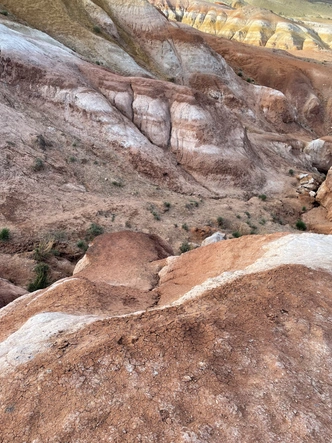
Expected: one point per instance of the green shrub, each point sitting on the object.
(262, 197)
(220, 221)
(82, 245)
(300, 225)
(167, 205)
(236, 234)
(248, 214)
(4, 13)
(155, 215)
(38, 165)
(4, 234)
(43, 250)
(291, 172)
(117, 184)
(185, 227)
(97, 29)
(185, 247)
(94, 230)
(41, 281)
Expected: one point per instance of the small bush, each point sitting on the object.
(167, 205)
(192, 204)
(220, 221)
(4, 234)
(4, 13)
(38, 165)
(155, 215)
(41, 280)
(291, 172)
(185, 227)
(304, 208)
(300, 225)
(97, 29)
(248, 214)
(82, 245)
(236, 234)
(128, 224)
(117, 184)
(185, 247)
(94, 230)
(43, 250)
(72, 159)
(262, 221)
(262, 197)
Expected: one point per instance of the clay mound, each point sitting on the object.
(244, 355)
(124, 259)
(9, 292)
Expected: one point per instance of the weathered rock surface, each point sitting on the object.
(214, 238)
(320, 151)
(238, 347)
(324, 195)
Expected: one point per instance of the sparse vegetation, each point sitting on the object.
(4, 13)
(277, 219)
(43, 250)
(236, 234)
(119, 184)
(82, 245)
(304, 208)
(94, 230)
(185, 247)
(4, 234)
(38, 165)
(128, 224)
(167, 205)
(248, 214)
(238, 216)
(291, 172)
(72, 159)
(300, 225)
(185, 227)
(155, 214)
(262, 197)
(41, 281)
(96, 29)
(262, 221)
(192, 204)
(220, 221)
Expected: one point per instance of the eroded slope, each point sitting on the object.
(245, 358)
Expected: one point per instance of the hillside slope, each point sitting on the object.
(240, 348)
(177, 138)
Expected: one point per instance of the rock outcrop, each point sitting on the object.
(320, 152)
(324, 195)
(235, 347)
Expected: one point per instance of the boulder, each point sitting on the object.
(214, 238)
